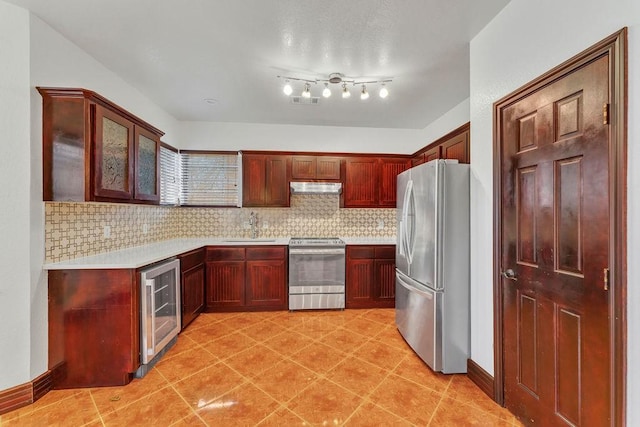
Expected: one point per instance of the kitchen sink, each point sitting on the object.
(248, 239)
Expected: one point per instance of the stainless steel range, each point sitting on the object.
(316, 273)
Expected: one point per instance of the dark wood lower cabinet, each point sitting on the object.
(225, 284)
(94, 324)
(264, 285)
(247, 278)
(384, 284)
(370, 272)
(192, 270)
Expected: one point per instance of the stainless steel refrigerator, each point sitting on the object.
(432, 263)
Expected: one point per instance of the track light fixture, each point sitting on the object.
(345, 91)
(306, 93)
(335, 78)
(364, 94)
(326, 92)
(383, 91)
(287, 89)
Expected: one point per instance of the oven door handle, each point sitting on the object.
(327, 251)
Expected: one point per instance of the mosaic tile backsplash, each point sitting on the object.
(74, 230)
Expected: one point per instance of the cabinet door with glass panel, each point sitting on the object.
(113, 161)
(94, 150)
(147, 165)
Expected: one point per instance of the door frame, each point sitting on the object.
(616, 47)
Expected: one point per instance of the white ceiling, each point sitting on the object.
(179, 53)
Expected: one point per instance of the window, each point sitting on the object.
(169, 175)
(209, 178)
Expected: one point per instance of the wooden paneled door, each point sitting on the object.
(556, 222)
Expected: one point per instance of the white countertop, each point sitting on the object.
(369, 240)
(140, 256)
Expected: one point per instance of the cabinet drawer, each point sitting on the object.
(360, 252)
(270, 252)
(385, 252)
(188, 260)
(225, 254)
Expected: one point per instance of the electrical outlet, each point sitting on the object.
(106, 231)
(265, 224)
(145, 228)
(246, 225)
(380, 224)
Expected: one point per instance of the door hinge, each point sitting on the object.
(605, 114)
(605, 274)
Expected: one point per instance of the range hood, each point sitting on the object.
(316, 187)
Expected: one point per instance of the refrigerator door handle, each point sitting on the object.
(412, 288)
(401, 238)
(403, 221)
(408, 239)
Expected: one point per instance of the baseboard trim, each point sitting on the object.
(481, 378)
(24, 394)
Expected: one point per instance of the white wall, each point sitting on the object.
(253, 136)
(14, 197)
(55, 61)
(525, 40)
(32, 54)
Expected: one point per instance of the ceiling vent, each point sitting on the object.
(300, 100)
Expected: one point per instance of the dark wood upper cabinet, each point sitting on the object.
(457, 148)
(454, 145)
(113, 155)
(265, 180)
(371, 182)
(361, 182)
(432, 154)
(314, 168)
(389, 170)
(417, 160)
(278, 173)
(303, 167)
(147, 161)
(93, 150)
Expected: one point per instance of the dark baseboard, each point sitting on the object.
(481, 378)
(24, 394)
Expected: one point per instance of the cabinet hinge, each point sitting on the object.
(605, 274)
(605, 114)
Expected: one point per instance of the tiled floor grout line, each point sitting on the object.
(319, 376)
(433, 414)
(193, 411)
(367, 397)
(95, 405)
(353, 357)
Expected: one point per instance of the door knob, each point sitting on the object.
(509, 274)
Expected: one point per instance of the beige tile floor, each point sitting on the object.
(323, 368)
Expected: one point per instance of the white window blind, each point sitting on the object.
(209, 179)
(169, 177)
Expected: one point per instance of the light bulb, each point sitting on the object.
(287, 89)
(364, 94)
(326, 92)
(345, 91)
(306, 93)
(383, 91)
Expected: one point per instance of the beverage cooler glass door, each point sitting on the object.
(160, 314)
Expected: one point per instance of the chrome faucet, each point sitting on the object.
(253, 222)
